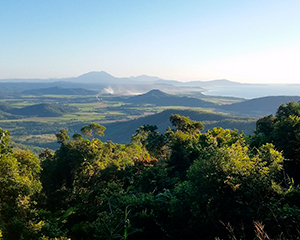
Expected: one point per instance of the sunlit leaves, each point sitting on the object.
(19, 181)
(62, 136)
(186, 125)
(93, 129)
(283, 130)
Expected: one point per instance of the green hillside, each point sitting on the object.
(59, 91)
(5, 107)
(259, 107)
(160, 98)
(43, 110)
(5, 115)
(121, 132)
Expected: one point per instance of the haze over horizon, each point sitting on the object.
(142, 78)
(244, 41)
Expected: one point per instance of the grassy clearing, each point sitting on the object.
(38, 138)
(86, 116)
(101, 105)
(184, 108)
(115, 113)
(18, 103)
(84, 105)
(116, 104)
(66, 118)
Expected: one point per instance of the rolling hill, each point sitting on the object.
(59, 91)
(121, 132)
(6, 115)
(5, 107)
(43, 110)
(259, 107)
(160, 98)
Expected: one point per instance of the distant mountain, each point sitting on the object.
(160, 98)
(95, 77)
(213, 83)
(121, 132)
(102, 77)
(105, 78)
(259, 107)
(145, 79)
(43, 110)
(100, 80)
(59, 91)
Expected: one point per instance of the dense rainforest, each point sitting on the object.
(179, 184)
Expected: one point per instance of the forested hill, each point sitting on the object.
(6, 115)
(121, 132)
(43, 110)
(59, 91)
(160, 98)
(259, 107)
(5, 107)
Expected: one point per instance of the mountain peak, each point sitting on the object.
(94, 74)
(156, 93)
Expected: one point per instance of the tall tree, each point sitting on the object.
(19, 181)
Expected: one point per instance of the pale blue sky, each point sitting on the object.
(245, 41)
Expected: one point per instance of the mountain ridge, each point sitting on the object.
(259, 106)
(100, 80)
(40, 110)
(93, 76)
(160, 98)
(57, 90)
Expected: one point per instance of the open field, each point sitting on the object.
(39, 131)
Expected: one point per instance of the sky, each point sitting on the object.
(244, 41)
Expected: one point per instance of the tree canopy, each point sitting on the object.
(177, 184)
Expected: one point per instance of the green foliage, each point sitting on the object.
(77, 137)
(5, 148)
(62, 136)
(92, 129)
(87, 175)
(185, 125)
(147, 137)
(264, 130)
(142, 133)
(122, 131)
(180, 184)
(19, 181)
(283, 130)
(229, 185)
